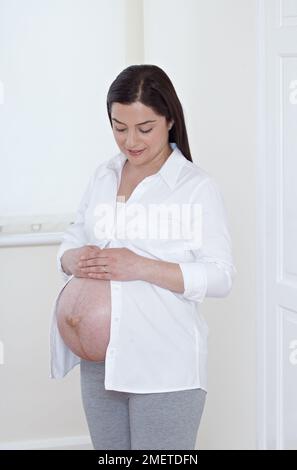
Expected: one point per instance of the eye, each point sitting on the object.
(143, 132)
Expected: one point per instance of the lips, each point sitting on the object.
(136, 153)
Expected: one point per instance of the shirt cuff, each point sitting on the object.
(195, 281)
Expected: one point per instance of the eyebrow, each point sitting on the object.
(139, 124)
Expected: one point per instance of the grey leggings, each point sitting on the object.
(124, 420)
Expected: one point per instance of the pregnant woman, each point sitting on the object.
(136, 273)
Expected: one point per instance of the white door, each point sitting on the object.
(277, 222)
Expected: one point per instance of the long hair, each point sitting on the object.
(151, 86)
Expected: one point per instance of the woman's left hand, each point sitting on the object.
(121, 264)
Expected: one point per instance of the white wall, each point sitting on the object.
(209, 51)
(56, 66)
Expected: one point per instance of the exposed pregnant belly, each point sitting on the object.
(83, 317)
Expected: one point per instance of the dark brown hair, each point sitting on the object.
(151, 86)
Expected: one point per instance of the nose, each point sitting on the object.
(131, 140)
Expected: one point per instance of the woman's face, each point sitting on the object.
(137, 127)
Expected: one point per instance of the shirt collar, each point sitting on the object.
(169, 171)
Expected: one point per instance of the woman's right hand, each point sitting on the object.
(71, 258)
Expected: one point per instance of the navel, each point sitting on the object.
(73, 320)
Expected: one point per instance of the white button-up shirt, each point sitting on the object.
(158, 337)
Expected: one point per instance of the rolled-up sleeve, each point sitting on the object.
(212, 272)
(75, 235)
